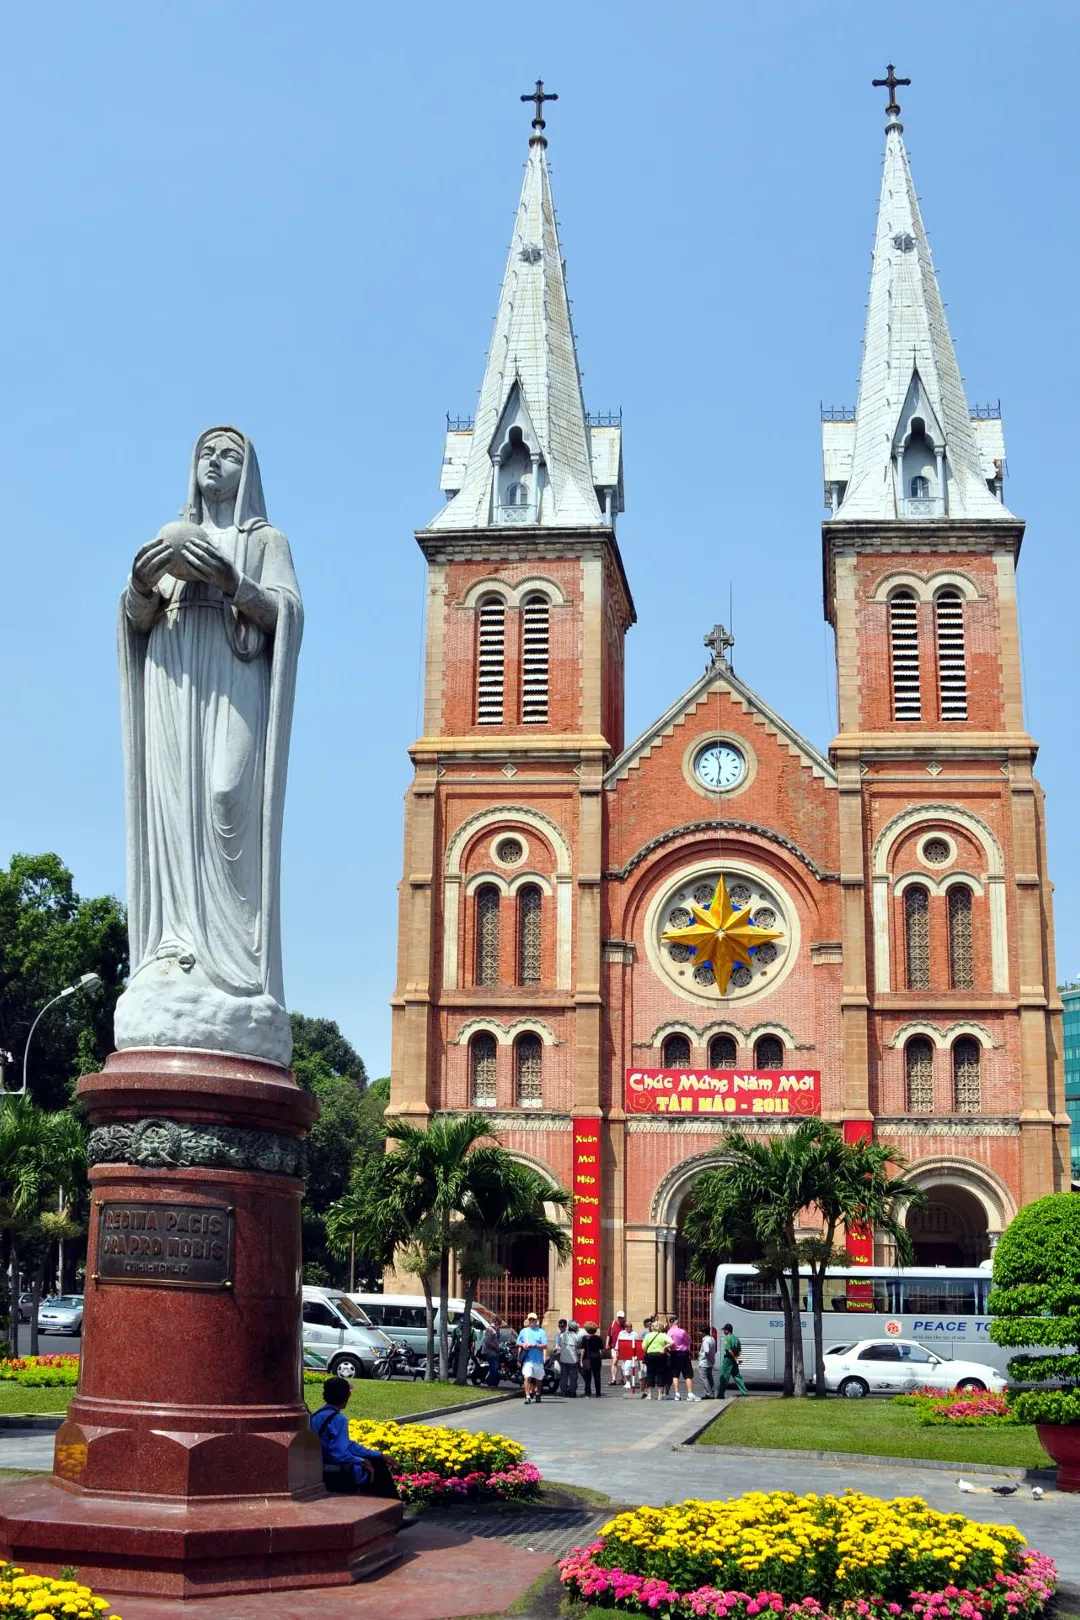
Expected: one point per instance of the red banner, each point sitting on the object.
(859, 1239)
(585, 1291)
(723, 1091)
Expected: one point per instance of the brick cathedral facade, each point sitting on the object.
(903, 870)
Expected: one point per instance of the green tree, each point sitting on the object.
(42, 1160)
(49, 936)
(763, 1190)
(1035, 1303)
(503, 1200)
(349, 1129)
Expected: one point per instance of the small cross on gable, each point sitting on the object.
(719, 642)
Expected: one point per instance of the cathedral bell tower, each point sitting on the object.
(950, 1012)
(497, 1003)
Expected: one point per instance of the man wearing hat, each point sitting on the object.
(613, 1343)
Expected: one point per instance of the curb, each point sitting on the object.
(858, 1459)
(451, 1411)
(22, 1421)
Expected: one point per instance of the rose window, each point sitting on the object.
(756, 905)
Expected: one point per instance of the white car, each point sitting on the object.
(63, 1315)
(891, 1366)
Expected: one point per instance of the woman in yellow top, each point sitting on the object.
(657, 1367)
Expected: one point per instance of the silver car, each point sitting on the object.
(63, 1315)
(891, 1366)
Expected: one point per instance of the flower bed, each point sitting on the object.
(23, 1596)
(41, 1372)
(966, 1407)
(810, 1558)
(432, 1464)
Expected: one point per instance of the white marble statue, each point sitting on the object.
(210, 626)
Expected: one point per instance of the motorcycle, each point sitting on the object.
(400, 1361)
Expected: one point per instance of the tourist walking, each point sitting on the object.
(591, 1356)
(706, 1360)
(731, 1354)
(532, 1343)
(491, 1352)
(679, 1359)
(629, 1353)
(569, 1346)
(613, 1333)
(657, 1372)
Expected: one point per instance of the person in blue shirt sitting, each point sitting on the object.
(347, 1466)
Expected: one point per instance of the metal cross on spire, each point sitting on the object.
(538, 97)
(890, 83)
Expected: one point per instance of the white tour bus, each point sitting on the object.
(943, 1308)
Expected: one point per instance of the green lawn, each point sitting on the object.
(371, 1398)
(872, 1428)
(374, 1398)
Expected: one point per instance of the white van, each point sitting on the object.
(339, 1332)
(404, 1317)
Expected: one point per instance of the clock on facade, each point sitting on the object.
(720, 766)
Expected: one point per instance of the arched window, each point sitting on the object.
(528, 1059)
(917, 937)
(488, 900)
(904, 647)
(961, 954)
(482, 1050)
(490, 661)
(919, 1068)
(723, 1053)
(966, 1056)
(920, 488)
(517, 494)
(530, 902)
(535, 645)
(769, 1053)
(951, 657)
(676, 1054)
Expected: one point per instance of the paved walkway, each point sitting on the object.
(625, 1448)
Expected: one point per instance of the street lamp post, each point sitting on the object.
(88, 981)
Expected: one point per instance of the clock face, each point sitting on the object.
(720, 767)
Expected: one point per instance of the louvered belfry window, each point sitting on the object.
(677, 1052)
(952, 662)
(904, 646)
(722, 1052)
(488, 901)
(528, 1055)
(490, 661)
(769, 1053)
(482, 1051)
(530, 902)
(961, 953)
(919, 1065)
(966, 1057)
(535, 649)
(917, 937)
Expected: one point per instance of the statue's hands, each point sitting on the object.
(206, 562)
(151, 563)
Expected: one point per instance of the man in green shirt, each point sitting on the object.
(731, 1352)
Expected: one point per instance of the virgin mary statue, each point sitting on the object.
(210, 625)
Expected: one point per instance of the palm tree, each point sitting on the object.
(756, 1195)
(503, 1200)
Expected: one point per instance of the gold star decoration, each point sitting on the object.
(722, 935)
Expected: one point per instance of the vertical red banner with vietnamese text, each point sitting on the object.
(859, 1239)
(585, 1290)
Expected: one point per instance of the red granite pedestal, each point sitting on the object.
(186, 1466)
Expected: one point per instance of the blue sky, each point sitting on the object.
(295, 218)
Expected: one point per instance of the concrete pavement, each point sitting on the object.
(625, 1447)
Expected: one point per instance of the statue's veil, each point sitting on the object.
(250, 509)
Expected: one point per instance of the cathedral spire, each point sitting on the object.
(528, 457)
(915, 453)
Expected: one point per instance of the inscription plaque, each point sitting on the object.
(178, 1245)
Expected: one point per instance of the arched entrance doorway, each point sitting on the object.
(950, 1229)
